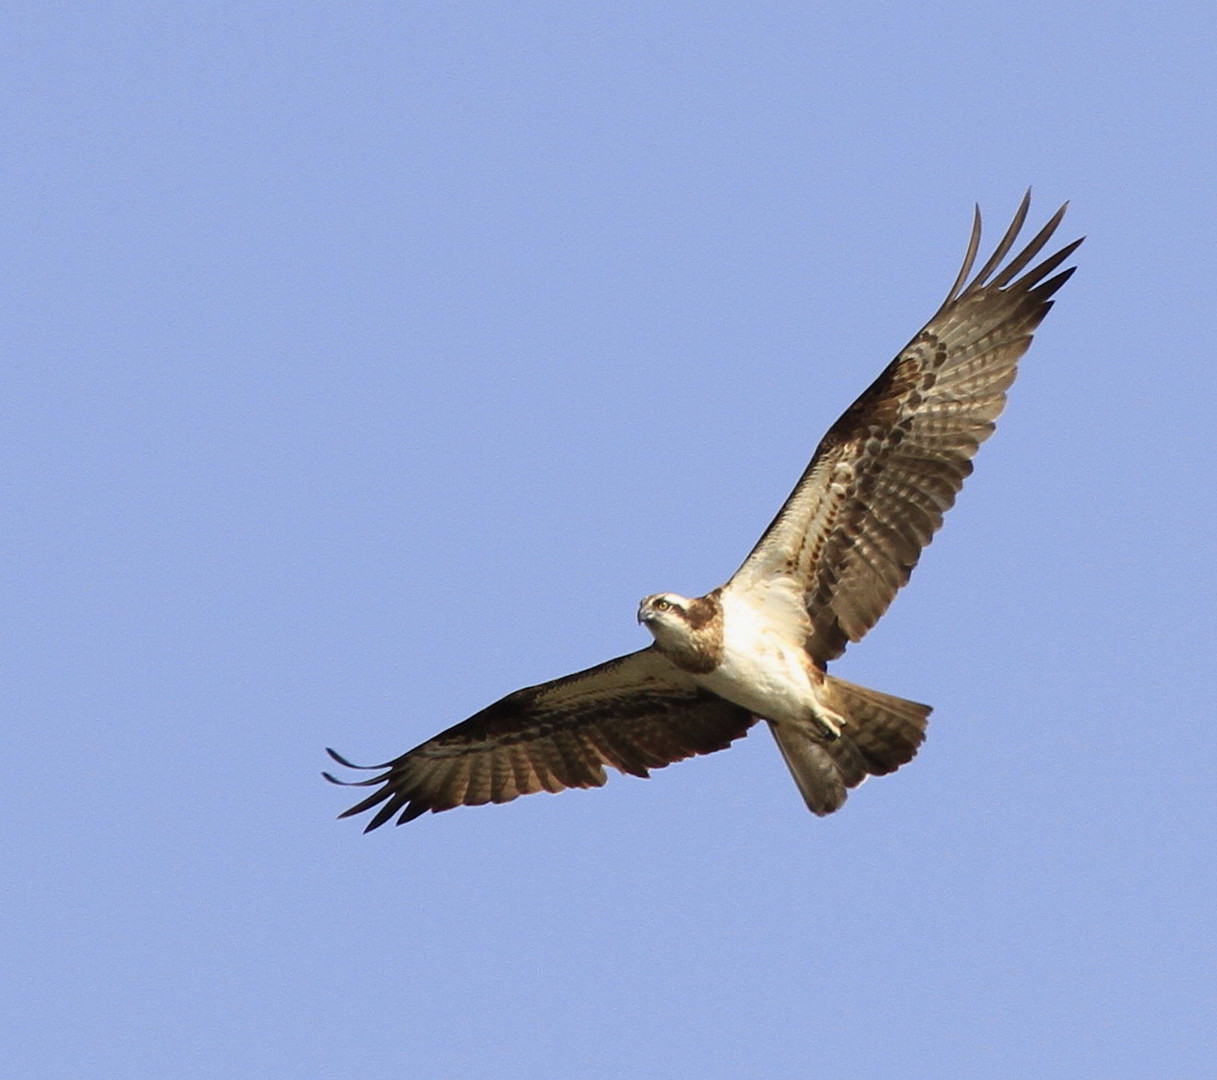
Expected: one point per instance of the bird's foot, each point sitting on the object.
(827, 723)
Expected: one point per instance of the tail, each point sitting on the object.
(880, 734)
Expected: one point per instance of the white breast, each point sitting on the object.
(764, 669)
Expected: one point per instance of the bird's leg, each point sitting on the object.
(827, 723)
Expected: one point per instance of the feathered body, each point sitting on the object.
(821, 575)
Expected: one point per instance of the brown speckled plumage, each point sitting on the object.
(835, 555)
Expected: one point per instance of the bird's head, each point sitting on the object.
(667, 616)
(687, 631)
(663, 608)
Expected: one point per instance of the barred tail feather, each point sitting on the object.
(881, 733)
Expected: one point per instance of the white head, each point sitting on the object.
(689, 632)
(666, 615)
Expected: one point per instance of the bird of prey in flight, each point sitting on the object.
(758, 647)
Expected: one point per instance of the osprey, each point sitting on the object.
(757, 648)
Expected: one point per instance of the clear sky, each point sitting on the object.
(367, 361)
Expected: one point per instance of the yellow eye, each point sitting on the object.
(662, 605)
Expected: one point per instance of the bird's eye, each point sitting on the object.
(662, 605)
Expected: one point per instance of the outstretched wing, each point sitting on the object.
(890, 467)
(637, 712)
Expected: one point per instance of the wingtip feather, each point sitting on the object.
(350, 764)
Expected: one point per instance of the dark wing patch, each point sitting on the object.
(635, 713)
(890, 467)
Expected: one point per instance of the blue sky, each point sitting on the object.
(367, 362)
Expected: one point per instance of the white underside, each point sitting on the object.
(763, 670)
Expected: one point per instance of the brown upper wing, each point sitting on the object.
(636, 712)
(890, 467)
